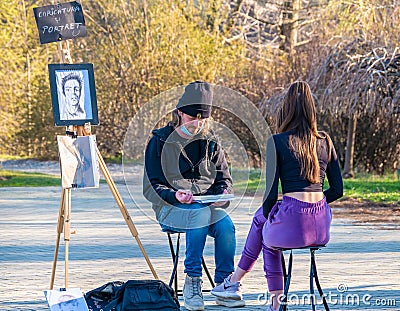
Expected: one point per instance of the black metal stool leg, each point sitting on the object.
(283, 305)
(313, 278)
(284, 275)
(171, 249)
(312, 298)
(175, 259)
(207, 272)
(315, 275)
(283, 268)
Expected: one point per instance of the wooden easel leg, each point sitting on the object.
(67, 230)
(60, 225)
(123, 209)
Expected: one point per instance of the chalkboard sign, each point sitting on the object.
(60, 22)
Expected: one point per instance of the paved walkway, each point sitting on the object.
(360, 263)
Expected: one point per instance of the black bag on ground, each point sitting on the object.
(141, 295)
(98, 298)
(133, 295)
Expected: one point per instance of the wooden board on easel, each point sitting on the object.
(78, 161)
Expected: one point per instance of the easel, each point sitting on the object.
(64, 214)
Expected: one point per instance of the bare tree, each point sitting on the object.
(290, 25)
(356, 80)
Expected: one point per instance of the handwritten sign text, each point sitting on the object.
(60, 22)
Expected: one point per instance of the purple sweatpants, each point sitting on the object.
(290, 224)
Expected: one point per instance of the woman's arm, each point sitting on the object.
(272, 177)
(155, 186)
(334, 176)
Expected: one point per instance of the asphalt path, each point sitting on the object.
(358, 270)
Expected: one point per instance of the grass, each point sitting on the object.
(22, 179)
(113, 159)
(247, 181)
(11, 157)
(379, 189)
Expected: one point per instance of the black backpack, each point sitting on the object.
(98, 298)
(136, 295)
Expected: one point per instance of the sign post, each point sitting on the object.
(60, 21)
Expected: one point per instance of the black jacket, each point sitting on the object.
(167, 168)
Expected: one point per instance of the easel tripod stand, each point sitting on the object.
(64, 214)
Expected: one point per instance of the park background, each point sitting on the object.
(347, 50)
(349, 53)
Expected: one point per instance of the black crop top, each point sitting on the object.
(282, 164)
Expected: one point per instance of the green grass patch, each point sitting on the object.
(113, 159)
(248, 181)
(6, 157)
(379, 189)
(22, 179)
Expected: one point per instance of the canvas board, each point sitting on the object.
(78, 161)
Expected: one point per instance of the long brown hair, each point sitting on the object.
(297, 114)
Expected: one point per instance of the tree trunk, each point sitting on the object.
(351, 136)
(290, 25)
(28, 81)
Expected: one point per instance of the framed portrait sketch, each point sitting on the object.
(73, 94)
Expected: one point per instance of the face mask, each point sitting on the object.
(188, 133)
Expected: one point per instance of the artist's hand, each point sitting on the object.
(220, 203)
(184, 196)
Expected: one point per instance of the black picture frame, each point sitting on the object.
(73, 94)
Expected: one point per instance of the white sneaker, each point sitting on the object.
(227, 289)
(230, 303)
(192, 295)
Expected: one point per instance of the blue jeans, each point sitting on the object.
(197, 221)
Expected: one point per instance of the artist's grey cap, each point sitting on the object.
(196, 101)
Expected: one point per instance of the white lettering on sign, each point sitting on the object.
(53, 11)
(71, 26)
